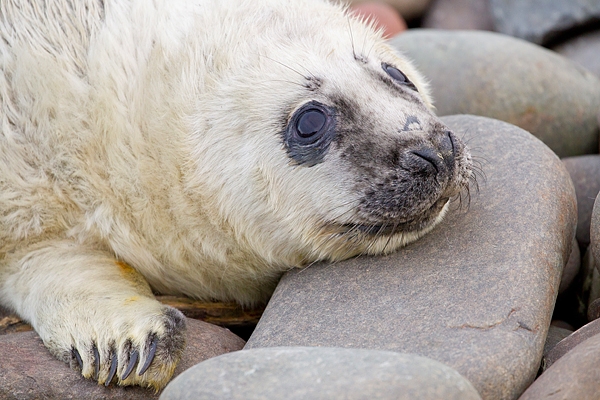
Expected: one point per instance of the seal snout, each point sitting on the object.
(441, 157)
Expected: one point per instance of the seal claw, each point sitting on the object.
(132, 361)
(113, 370)
(151, 353)
(96, 362)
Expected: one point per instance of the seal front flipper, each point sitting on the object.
(95, 313)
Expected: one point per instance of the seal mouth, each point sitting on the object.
(418, 223)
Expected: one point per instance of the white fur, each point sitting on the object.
(148, 132)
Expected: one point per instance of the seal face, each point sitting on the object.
(199, 148)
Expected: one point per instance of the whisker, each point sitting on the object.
(351, 38)
(310, 74)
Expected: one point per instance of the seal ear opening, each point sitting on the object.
(398, 76)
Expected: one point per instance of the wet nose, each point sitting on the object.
(440, 157)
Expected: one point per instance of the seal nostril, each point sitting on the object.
(447, 144)
(430, 156)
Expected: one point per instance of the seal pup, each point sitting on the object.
(198, 148)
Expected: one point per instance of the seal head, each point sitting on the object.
(342, 151)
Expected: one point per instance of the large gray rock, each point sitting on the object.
(541, 20)
(459, 14)
(493, 75)
(476, 293)
(319, 373)
(595, 229)
(569, 342)
(28, 371)
(575, 376)
(409, 9)
(584, 50)
(585, 173)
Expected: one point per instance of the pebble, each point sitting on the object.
(540, 21)
(569, 342)
(476, 294)
(584, 50)
(459, 14)
(493, 75)
(408, 9)
(29, 371)
(585, 173)
(571, 268)
(319, 373)
(555, 335)
(595, 229)
(575, 376)
(383, 16)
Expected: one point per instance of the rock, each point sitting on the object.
(575, 376)
(408, 9)
(319, 373)
(489, 74)
(595, 229)
(475, 294)
(570, 342)
(30, 372)
(540, 21)
(586, 286)
(571, 269)
(562, 324)
(593, 311)
(584, 50)
(585, 173)
(459, 14)
(555, 335)
(383, 15)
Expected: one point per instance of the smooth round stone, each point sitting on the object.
(408, 9)
(571, 268)
(555, 335)
(587, 287)
(459, 14)
(595, 230)
(493, 75)
(570, 342)
(476, 293)
(585, 174)
(29, 371)
(576, 376)
(382, 15)
(541, 20)
(319, 373)
(584, 50)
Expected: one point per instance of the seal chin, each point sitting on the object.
(415, 224)
(380, 243)
(351, 239)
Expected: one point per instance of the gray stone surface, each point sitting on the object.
(595, 230)
(319, 373)
(476, 293)
(569, 342)
(541, 20)
(555, 335)
(493, 75)
(459, 14)
(571, 268)
(584, 50)
(575, 376)
(28, 371)
(409, 9)
(585, 173)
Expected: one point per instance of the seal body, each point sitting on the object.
(199, 148)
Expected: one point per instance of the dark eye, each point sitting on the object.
(398, 76)
(310, 122)
(309, 133)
